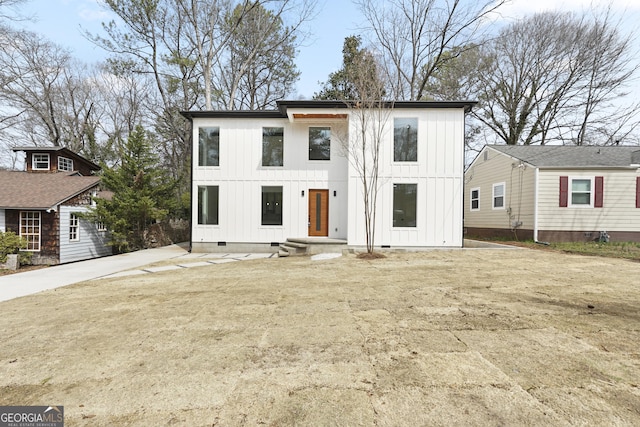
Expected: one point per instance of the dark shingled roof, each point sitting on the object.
(562, 156)
(23, 190)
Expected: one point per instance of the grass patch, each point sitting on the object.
(625, 250)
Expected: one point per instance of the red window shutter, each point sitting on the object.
(564, 191)
(599, 197)
(638, 192)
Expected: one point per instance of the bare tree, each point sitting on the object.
(552, 77)
(414, 36)
(44, 92)
(368, 126)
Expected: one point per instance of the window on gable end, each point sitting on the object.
(498, 195)
(475, 199)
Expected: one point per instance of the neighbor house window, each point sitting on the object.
(582, 192)
(319, 143)
(272, 205)
(475, 199)
(65, 164)
(101, 226)
(405, 140)
(74, 228)
(209, 146)
(208, 204)
(40, 161)
(30, 229)
(498, 196)
(405, 205)
(272, 146)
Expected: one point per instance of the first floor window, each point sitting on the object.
(74, 228)
(30, 229)
(498, 196)
(475, 199)
(405, 140)
(272, 146)
(208, 204)
(405, 202)
(581, 192)
(40, 161)
(319, 143)
(209, 146)
(272, 205)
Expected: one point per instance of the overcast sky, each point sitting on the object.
(61, 20)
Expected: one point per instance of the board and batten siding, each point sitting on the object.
(91, 242)
(240, 177)
(438, 174)
(3, 226)
(519, 194)
(619, 212)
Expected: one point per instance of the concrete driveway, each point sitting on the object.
(31, 282)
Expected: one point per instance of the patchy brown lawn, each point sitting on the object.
(463, 337)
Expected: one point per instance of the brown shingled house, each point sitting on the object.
(42, 205)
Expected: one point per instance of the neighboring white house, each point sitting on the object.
(554, 193)
(262, 177)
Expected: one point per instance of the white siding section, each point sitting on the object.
(91, 244)
(519, 195)
(438, 174)
(3, 226)
(617, 214)
(241, 176)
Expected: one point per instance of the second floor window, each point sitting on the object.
(40, 161)
(405, 140)
(272, 146)
(65, 164)
(319, 143)
(209, 146)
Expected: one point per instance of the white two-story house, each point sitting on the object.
(262, 177)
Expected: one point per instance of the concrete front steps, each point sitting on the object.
(310, 246)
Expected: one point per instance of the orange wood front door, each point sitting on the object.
(318, 212)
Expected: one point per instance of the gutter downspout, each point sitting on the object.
(535, 205)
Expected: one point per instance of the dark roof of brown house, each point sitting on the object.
(22, 190)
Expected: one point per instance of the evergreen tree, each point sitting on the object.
(143, 194)
(357, 79)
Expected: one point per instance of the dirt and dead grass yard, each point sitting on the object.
(441, 338)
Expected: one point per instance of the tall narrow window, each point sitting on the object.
(40, 161)
(475, 199)
(319, 143)
(405, 202)
(65, 164)
(405, 140)
(208, 204)
(498, 196)
(74, 228)
(272, 205)
(30, 229)
(272, 146)
(209, 146)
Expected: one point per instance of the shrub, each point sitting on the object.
(11, 243)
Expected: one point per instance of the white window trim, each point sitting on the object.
(74, 227)
(30, 234)
(33, 161)
(471, 208)
(493, 196)
(66, 160)
(592, 193)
